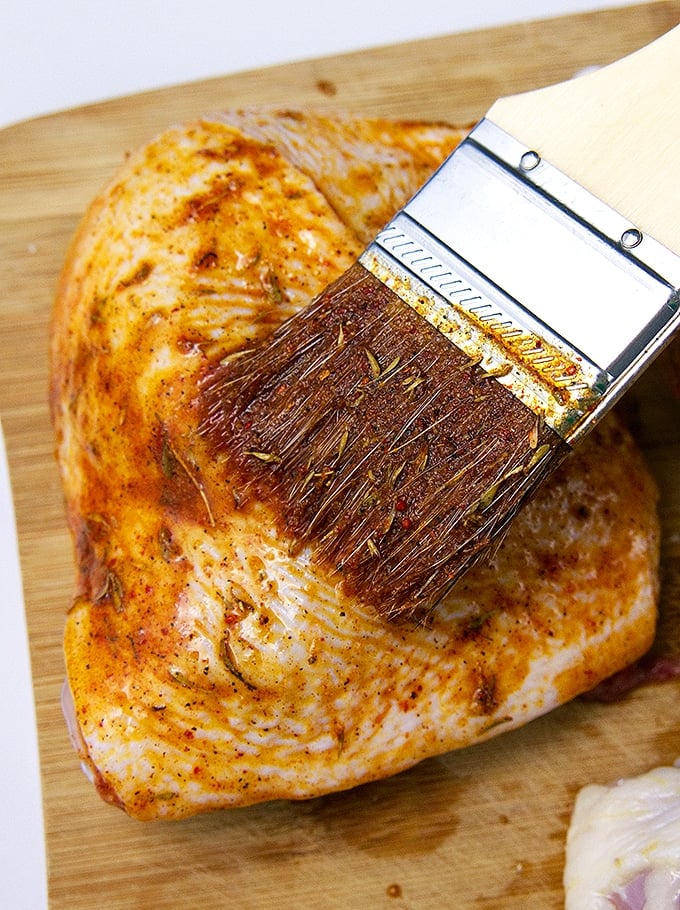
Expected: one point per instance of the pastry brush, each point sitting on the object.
(400, 421)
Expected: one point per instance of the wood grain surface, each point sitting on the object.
(483, 828)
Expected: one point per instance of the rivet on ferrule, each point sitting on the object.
(529, 161)
(631, 238)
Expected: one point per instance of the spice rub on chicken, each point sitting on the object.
(209, 663)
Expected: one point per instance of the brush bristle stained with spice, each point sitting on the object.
(384, 447)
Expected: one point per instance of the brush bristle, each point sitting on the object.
(385, 447)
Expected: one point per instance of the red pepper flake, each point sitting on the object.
(400, 504)
(406, 523)
(206, 260)
(138, 277)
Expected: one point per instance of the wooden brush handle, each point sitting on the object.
(616, 131)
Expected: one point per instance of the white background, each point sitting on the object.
(56, 54)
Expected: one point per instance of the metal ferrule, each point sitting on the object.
(563, 299)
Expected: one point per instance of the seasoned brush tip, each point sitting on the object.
(390, 452)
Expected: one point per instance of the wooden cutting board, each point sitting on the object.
(482, 828)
